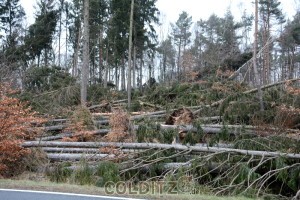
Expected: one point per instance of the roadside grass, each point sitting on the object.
(93, 190)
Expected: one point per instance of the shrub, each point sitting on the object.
(15, 122)
(108, 171)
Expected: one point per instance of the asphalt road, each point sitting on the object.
(9, 194)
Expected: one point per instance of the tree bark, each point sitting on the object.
(258, 82)
(77, 157)
(86, 55)
(76, 54)
(129, 56)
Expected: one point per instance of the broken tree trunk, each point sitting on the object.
(179, 147)
(271, 85)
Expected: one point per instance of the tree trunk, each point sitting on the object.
(134, 67)
(66, 42)
(86, 59)
(76, 55)
(100, 55)
(106, 70)
(129, 57)
(258, 82)
(141, 72)
(123, 73)
(179, 60)
(59, 31)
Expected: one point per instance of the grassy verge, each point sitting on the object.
(59, 187)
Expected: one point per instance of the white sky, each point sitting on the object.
(196, 8)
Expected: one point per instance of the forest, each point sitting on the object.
(91, 92)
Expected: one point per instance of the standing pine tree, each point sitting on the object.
(181, 34)
(40, 35)
(269, 12)
(11, 17)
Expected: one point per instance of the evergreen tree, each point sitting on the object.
(181, 35)
(167, 52)
(40, 34)
(270, 13)
(75, 30)
(11, 17)
(98, 25)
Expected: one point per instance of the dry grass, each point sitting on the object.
(92, 190)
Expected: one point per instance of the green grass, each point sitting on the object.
(93, 190)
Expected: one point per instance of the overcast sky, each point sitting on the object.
(198, 9)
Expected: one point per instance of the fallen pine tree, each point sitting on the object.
(179, 147)
(206, 128)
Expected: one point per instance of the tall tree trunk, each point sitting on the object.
(291, 63)
(100, 55)
(123, 73)
(106, 70)
(141, 72)
(59, 31)
(76, 55)
(129, 56)
(86, 59)
(258, 82)
(66, 54)
(116, 76)
(134, 67)
(46, 57)
(179, 60)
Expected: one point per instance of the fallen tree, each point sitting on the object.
(179, 147)
(77, 157)
(101, 132)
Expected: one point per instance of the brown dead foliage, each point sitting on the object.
(180, 116)
(81, 124)
(111, 150)
(104, 107)
(15, 126)
(219, 87)
(224, 73)
(290, 89)
(287, 117)
(119, 123)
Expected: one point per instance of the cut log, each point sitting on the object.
(178, 147)
(207, 119)
(57, 121)
(209, 129)
(101, 132)
(137, 117)
(109, 114)
(82, 150)
(54, 128)
(148, 104)
(77, 157)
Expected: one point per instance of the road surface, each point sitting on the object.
(10, 194)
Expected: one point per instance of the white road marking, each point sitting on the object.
(69, 194)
